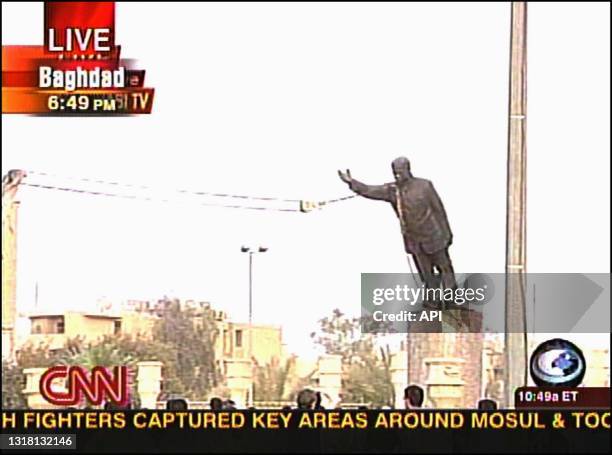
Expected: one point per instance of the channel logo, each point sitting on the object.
(557, 363)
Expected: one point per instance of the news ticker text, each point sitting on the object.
(307, 420)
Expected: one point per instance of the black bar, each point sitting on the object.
(342, 431)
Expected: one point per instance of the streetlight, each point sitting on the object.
(251, 252)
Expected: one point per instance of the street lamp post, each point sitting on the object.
(251, 252)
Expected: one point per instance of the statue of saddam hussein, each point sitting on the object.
(427, 234)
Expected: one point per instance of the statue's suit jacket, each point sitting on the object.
(417, 205)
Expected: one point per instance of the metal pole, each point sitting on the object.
(250, 287)
(515, 322)
(251, 399)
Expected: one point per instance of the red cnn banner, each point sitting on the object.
(98, 387)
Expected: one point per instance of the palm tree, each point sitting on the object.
(272, 379)
(105, 353)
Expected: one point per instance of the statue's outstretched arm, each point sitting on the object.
(378, 192)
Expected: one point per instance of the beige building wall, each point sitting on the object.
(267, 344)
(598, 368)
(42, 325)
(54, 330)
(89, 326)
(133, 323)
(235, 339)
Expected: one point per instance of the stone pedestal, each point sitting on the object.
(330, 379)
(465, 346)
(149, 383)
(493, 371)
(32, 389)
(239, 380)
(399, 376)
(444, 386)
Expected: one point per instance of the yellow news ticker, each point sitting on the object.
(279, 420)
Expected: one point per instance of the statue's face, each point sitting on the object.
(401, 169)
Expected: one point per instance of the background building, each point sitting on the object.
(53, 330)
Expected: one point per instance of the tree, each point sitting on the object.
(190, 336)
(271, 380)
(366, 373)
(13, 382)
(369, 380)
(105, 352)
(36, 356)
(111, 351)
(13, 378)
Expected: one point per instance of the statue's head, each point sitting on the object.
(401, 169)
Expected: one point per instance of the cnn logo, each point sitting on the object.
(98, 387)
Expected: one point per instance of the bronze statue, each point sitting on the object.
(11, 181)
(427, 234)
(10, 184)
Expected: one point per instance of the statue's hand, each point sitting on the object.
(346, 176)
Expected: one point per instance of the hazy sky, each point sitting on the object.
(272, 99)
